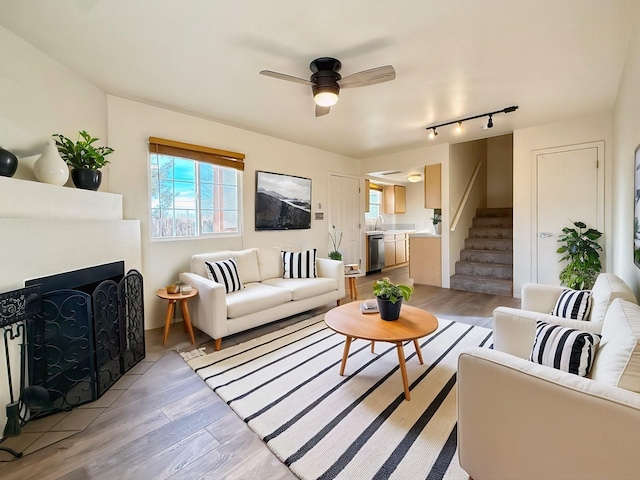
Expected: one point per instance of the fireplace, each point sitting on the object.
(78, 332)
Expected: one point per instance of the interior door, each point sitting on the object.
(569, 188)
(345, 213)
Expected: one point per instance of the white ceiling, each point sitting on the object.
(555, 59)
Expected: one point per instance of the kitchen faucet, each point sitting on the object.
(375, 222)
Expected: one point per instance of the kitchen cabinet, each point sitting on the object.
(432, 186)
(425, 263)
(396, 249)
(367, 186)
(395, 199)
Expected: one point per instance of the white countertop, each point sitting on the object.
(424, 234)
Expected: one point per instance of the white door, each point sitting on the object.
(345, 212)
(569, 188)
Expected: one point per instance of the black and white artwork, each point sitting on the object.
(283, 202)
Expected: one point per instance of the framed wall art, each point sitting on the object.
(283, 202)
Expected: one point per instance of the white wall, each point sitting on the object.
(500, 171)
(130, 126)
(525, 141)
(463, 160)
(626, 137)
(40, 97)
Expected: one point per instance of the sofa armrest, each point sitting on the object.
(514, 330)
(325, 267)
(210, 312)
(540, 298)
(517, 419)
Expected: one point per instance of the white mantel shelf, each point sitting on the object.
(28, 199)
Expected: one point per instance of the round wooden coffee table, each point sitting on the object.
(413, 323)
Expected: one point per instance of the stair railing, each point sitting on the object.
(465, 197)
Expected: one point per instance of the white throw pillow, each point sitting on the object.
(573, 304)
(566, 349)
(225, 272)
(618, 359)
(299, 265)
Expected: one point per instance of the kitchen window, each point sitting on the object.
(194, 191)
(375, 202)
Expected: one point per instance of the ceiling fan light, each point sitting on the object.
(414, 177)
(325, 99)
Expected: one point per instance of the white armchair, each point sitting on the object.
(521, 420)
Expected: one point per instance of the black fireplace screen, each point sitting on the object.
(77, 345)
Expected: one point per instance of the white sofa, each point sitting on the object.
(266, 296)
(521, 420)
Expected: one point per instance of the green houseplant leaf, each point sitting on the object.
(387, 290)
(581, 250)
(82, 153)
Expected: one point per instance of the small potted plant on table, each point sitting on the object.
(389, 297)
(84, 159)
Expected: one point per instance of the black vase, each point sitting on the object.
(8, 163)
(86, 178)
(388, 310)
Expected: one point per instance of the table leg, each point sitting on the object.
(373, 346)
(403, 370)
(418, 351)
(345, 355)
(167, 322)
(187, 319)
(353, 289)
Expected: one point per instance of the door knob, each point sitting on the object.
(544, 235)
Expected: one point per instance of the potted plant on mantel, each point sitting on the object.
(389, 297)
(84, 159)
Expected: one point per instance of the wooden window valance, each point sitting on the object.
(215, 156)
(374, 186)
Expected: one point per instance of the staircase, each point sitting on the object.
(486, 262)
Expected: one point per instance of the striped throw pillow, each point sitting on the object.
(564, 348)
(573, 304)
(225, 272)
(300, 264)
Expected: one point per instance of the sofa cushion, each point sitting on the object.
(255, 297)
(618, 359)
(198, 261)
(225, 272)
(299, 265)
(606, 289)
(302, 288)
(269, 262)
(573, 304)
(565, 349)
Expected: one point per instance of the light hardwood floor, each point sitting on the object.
(163, 422)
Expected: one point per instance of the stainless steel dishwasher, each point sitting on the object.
(376, 253)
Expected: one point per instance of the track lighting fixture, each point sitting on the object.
(459, 128)
(490, 122)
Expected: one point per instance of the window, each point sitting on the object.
(375, 202)
(193, 191)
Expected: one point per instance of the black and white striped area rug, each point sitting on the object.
(286, 386)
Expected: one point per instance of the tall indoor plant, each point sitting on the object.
(581, 250)
(336, 240)
(84, 158)
(389, 297)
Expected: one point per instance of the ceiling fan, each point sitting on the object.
(326, 82)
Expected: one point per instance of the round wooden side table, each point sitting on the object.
(173, 298)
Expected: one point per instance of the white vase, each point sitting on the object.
(50, 168)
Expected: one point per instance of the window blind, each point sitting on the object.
(199, 153)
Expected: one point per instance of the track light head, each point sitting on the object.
(433, 134)
(490, 122)
(459, 128)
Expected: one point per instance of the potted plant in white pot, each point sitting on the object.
(389, 297)
(84, 158)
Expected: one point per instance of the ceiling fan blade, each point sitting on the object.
(322, 110)
(288, 78)
(368, 77)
